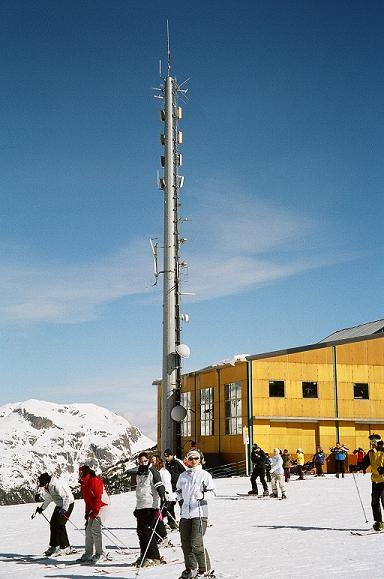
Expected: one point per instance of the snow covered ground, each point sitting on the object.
(304, 536)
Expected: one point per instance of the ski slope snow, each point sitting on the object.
(307, 535)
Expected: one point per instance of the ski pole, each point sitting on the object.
(173, 519)
(361, 502)
(116, 537)
(36, 512)
(149, 542)
(202, 536)
(73, 524)
(122, 548)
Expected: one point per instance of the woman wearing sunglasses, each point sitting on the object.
(193, 488)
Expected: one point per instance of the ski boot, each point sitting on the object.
(273, 495)
(150, 562)
(50, 551)
(378, 526)
(188, 574)
(266, 493)
(284, 496)
(252, 492)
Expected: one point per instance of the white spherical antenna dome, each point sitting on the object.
(178, 413)
(183, 350)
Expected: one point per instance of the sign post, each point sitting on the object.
(246, 444)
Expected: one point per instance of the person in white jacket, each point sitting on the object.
(277, 475)
(192, 489)
(58, 492)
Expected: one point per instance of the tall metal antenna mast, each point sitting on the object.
(171, 184)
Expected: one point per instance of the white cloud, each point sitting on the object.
(238, 241)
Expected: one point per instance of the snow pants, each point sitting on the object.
(300, 471)
(145, 525)
(192, 532)
(93, 537)
(278, 482)
(319, 469)
(258, 472)
(377, 496)
(59, 537)
(340, 467)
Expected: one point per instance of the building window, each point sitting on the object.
(233, 418)
(309, 389)
(360, 391)
(276, 389)
(206, 412)
(186, 425)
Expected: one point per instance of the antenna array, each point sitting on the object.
(171, 183)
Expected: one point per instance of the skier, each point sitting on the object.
(96, 508)
(340, 453)
(58, 492)
(375, 459)
(192, 489)
(165, 476)
(277, 475)
(286, 464)
(175, 467)
(258, 460)
(318, 461)
(300, 463)
(359, 459)
(150, 495)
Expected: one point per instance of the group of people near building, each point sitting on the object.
(161, 483)
(262, 464)
(164, 482)
(278, 466)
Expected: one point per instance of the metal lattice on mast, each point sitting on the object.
(171, 183)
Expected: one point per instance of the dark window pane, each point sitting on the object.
(276, 388)
(360, 391)
(309, 389)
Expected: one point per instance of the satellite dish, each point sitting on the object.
(178, 413)
(183, 350)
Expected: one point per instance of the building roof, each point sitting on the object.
(368, 329)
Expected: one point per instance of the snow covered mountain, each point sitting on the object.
(38, 436)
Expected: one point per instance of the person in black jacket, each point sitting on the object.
(258, 459)
(175, 467)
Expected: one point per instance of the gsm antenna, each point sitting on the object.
(171, 183)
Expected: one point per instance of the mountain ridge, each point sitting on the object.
(38, 436)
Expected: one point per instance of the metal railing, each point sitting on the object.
(228, 470)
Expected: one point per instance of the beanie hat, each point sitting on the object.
(193, 454)
(44, 479)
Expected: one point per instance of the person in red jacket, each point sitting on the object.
(96, 503)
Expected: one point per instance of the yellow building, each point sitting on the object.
(304, 397)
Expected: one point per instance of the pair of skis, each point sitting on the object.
(367, 532)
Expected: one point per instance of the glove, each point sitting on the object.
(380, 470)
(135, 513)
(199, 495)
(163, 503)
(39, 510)
(62, 512)
(38, 498)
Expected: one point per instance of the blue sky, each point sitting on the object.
(283, 140)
